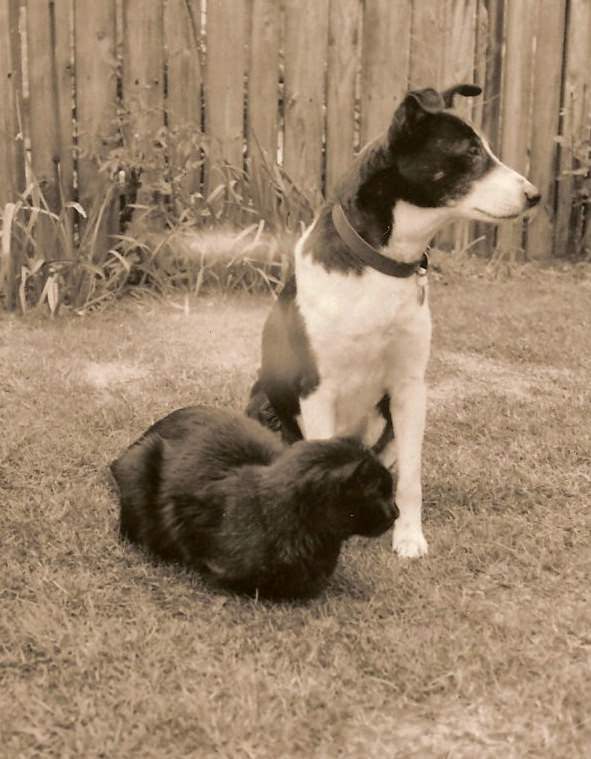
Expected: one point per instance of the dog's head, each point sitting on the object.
(443, 162)
(343, 487)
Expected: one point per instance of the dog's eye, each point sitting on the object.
(474, 150)
(458, 148)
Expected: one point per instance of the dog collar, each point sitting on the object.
(369, 255)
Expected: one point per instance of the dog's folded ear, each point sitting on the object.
(466, 90)
(415, 106)
(427, 100)
(419, 103)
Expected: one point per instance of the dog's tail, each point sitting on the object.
(276, 416)
(388, 432)
(259, 407)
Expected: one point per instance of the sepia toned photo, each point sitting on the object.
(295, 361)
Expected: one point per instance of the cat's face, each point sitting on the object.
(343, 487)
(365, 504)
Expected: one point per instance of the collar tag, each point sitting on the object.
(422, 278)
(424, 264)
(421, 287)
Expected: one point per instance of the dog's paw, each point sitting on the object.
(409, 543)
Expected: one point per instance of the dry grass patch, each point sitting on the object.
(481, 649)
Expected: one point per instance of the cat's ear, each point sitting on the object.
(357, 472)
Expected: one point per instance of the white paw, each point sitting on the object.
(409, 543)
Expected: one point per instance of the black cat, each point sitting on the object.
(218, 492)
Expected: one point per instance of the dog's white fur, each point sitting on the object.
(371, 335)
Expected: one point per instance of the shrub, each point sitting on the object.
(153, 227)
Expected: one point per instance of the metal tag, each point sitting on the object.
(421, 287)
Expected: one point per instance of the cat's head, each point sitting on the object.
(344, 488)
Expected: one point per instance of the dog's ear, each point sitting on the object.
(416, 105)
(466, 90)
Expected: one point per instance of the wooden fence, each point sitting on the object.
(307, 81)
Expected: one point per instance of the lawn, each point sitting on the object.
(482, 649)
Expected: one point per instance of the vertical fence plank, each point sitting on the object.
(480, 53)
(225, 69)
(306, 37)
(12, 167)
(517, 92)
(263, 79)
(575, 106)
(458, 55)
(262, 131)
(43, 118)
(11, 146)
(96, 89)
(427, 43)
(546, 105)
(458, 66)
(64, 92)
(182, 29)
(492, 14)
(143, 87)
(493, 81)
(344, 38)
(385, 63)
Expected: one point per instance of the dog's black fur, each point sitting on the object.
(219, 493)
(286, 354)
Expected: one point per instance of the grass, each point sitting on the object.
(482, 649)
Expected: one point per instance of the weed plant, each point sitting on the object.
(164, 218)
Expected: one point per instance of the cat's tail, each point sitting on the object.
(137, 473)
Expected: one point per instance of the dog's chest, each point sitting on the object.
(357, 309)
(357, 325)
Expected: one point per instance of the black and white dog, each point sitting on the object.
(347, 343)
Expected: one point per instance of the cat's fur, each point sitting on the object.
(219, 493)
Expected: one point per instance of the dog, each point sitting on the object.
(217, 492)
(346, 345)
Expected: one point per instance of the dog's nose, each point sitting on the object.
(532, 197)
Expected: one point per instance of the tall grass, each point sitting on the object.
(153, 227)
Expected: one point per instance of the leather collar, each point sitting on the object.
(369, 255)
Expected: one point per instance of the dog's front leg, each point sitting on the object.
(318, 414)
(408, 405)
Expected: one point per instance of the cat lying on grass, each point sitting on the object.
(219, 493)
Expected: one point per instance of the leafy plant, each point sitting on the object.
(151, 227)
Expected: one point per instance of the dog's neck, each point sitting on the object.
(412, 230)
(402, 234)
